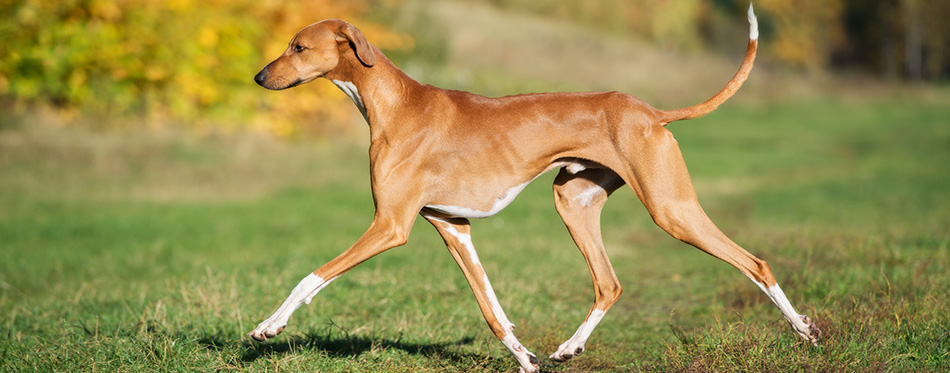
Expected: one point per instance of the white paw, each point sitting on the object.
(529, 366)
(567, 351)
(808, 330)
(266, 329)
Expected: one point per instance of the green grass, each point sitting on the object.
(145, 251)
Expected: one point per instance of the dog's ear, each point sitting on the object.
(364, 51)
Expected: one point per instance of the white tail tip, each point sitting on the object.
(753, 25)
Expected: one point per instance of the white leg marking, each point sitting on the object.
(496, 307)
(302, 294)
(800, 323)
(574, 167)
(575, 345)
(601, 184)
(350, 89)
(586, 198)
(526, 359)
(777, 296)
(466, 241)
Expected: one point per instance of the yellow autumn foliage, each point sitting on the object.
(805, 31)
(189, 62)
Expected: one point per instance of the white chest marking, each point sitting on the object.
(465, 212)
(350, 89)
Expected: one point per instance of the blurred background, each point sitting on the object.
(155, 203)
(121, 64)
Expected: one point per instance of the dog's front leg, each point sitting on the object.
(302, 294)
(458, 239)
(383, 234)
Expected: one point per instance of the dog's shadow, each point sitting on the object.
(353, 346)
(342, 345)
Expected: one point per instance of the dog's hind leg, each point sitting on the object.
(579, 199)
(458, 239)
(659, 177)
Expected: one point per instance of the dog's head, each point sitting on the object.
(314, 52)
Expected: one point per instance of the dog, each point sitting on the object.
(452, 156)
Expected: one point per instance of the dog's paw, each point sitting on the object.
(266, 330)
(533, 368)
(567, 351)
(528, 362)
(810, 332)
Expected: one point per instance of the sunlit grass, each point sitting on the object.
(144, 251)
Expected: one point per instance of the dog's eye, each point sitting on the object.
(299, 48)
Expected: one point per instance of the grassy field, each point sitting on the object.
(158, 250)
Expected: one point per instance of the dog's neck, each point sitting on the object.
(375, 90)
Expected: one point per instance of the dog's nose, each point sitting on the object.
(261, 77)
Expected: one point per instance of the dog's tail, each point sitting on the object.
(712, 103)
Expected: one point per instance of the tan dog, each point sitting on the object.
(452, 156)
